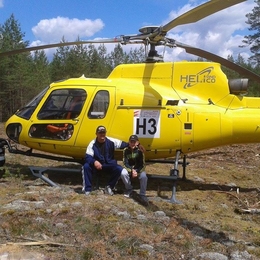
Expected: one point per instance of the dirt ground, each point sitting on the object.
(218, 211)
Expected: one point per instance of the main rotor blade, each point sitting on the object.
(200, 12)
(210, 56)
(61, 44)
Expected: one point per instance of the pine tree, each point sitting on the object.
(104, 67)
(39, 76)
(14, 70)
(118, 56)
(58, 65)
(254, 39)
(76, 61)
(137, 55)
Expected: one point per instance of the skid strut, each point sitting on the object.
(174, 174)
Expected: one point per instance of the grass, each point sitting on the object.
(220, 184)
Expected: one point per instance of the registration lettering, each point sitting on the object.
(147, 123)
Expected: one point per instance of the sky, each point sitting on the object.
(47, 21)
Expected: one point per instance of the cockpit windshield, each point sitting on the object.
(27, 111)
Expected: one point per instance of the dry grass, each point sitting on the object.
(61, 223)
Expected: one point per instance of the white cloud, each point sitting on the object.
(52, 30)
(220, 33)
(1, 3)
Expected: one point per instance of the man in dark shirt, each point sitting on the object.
(100, 157)
(134, 166)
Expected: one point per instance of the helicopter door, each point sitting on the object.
(99, 112)
(58, 118)
(200, 131)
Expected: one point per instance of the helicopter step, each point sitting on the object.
(174, 174)
(183, 163)
(173, 178)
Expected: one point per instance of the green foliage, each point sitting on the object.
(253, 39)
(14, 70)
(88, 254)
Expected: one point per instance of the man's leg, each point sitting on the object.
(116, 172)
(87, 177)
(126, 180)
(143, 183)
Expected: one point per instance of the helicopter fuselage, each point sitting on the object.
(186, 106)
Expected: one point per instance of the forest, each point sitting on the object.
(22, 76)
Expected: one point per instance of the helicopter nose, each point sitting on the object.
(13, 131)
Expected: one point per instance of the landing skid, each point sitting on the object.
(174, 175)
(40, 171)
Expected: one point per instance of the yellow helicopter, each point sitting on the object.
(175, 108)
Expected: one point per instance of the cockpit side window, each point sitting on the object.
(99, 106)
(27, 111)
(63, 104)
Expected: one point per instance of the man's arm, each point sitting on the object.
(142, 149)
(89, 157)
(118, 143)
(126, 164)
(122, 144)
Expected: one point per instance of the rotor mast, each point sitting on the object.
(150, 40)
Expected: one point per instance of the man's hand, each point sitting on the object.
(98, 165)
(141, 148)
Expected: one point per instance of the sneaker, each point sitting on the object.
(87, 193)
(114, 190)
(128, 193)
(109, 191)
(144, 199)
